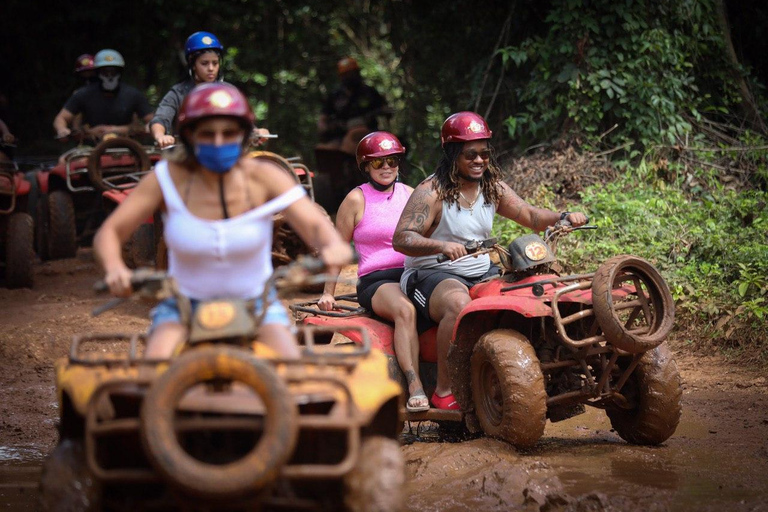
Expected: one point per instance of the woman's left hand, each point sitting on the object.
(577, 219)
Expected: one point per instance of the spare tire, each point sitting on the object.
(641, 320)
(246, 475)
(95, 172)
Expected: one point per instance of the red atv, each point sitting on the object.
(71, 205)
(16, 227)
(534, 345)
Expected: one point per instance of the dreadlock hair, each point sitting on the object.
(446, 182)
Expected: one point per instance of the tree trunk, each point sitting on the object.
(748, 103)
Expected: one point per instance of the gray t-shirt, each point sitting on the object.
(170, 105)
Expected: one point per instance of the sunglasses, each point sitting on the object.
(471, 154)
(378, 163)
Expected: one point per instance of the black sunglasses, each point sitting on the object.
(471, 154)
(378, 163)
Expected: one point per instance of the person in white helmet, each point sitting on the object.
(107, 106)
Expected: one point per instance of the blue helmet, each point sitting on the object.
(108, 58)
(201, 42)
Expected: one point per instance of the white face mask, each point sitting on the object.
(109, 83)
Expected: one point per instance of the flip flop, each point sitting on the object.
(445, 402)
(417, 408)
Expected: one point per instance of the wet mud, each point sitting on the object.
(716, 460)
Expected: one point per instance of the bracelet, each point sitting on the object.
(564, 215)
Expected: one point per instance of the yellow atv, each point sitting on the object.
(225, 424)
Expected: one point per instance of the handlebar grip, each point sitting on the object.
(442, 258)
(100, 286)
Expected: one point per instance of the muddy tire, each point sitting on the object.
(66, 483)
(20, 252)
(62, 230)
(95, 172)
(655, 389)
(41, 228)
(508, 388)
(244, 476)
(376, 482)
(639, 327)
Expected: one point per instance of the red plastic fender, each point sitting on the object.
(22, 185)
(381, 334)
(42, 178)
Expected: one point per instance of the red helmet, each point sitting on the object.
(378, 144)
(215, 99)
(346, 65)
(84, 63)
(463, 127)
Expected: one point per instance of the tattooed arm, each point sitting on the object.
(416, 222)
(513, 207)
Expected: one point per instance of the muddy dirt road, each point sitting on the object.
(717, 460)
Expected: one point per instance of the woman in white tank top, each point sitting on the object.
(217, 207)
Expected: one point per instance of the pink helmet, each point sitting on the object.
(378, 144)
(464, 127)
(215, 99)
(84, 63)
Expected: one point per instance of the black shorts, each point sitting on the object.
(422, 283)
(369, 283)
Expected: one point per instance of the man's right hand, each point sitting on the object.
(454, 250)
(62, 133)
(165, 140)
(327, 302)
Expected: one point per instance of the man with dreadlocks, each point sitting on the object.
(454, 206)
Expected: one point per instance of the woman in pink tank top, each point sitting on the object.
(368, 216)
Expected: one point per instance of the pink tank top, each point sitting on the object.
(373, 234)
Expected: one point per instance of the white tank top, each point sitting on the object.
(460, 225)
(219, 258)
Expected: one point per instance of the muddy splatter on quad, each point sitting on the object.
(534, 345)
(225, 424)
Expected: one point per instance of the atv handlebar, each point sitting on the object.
(472, 247)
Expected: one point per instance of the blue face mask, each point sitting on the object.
(218, 158)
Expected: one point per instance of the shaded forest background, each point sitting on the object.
(649, 115)
(514, 61)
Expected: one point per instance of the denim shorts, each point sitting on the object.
(168, 311)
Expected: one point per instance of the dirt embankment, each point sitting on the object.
(717, 459)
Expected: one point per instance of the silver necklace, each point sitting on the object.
(471, 203)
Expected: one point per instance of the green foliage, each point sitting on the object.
(640, 65)
(711, 246)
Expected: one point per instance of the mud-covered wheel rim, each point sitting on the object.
(120, 180)
(375, 484)
(508, 391)
(638, 321)
(654, 393)
(244, 476)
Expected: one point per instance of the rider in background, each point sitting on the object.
(350, 111)
(368, 216)
(218, 207)
(107, 106)
(203, 53)
(7, 138)
(85, 69)
(453, 206)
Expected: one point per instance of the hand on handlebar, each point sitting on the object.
(165, 140)
(327, 302)
(452, 251)
(577, 219)
(118, 281)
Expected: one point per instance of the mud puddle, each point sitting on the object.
(19, 477)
